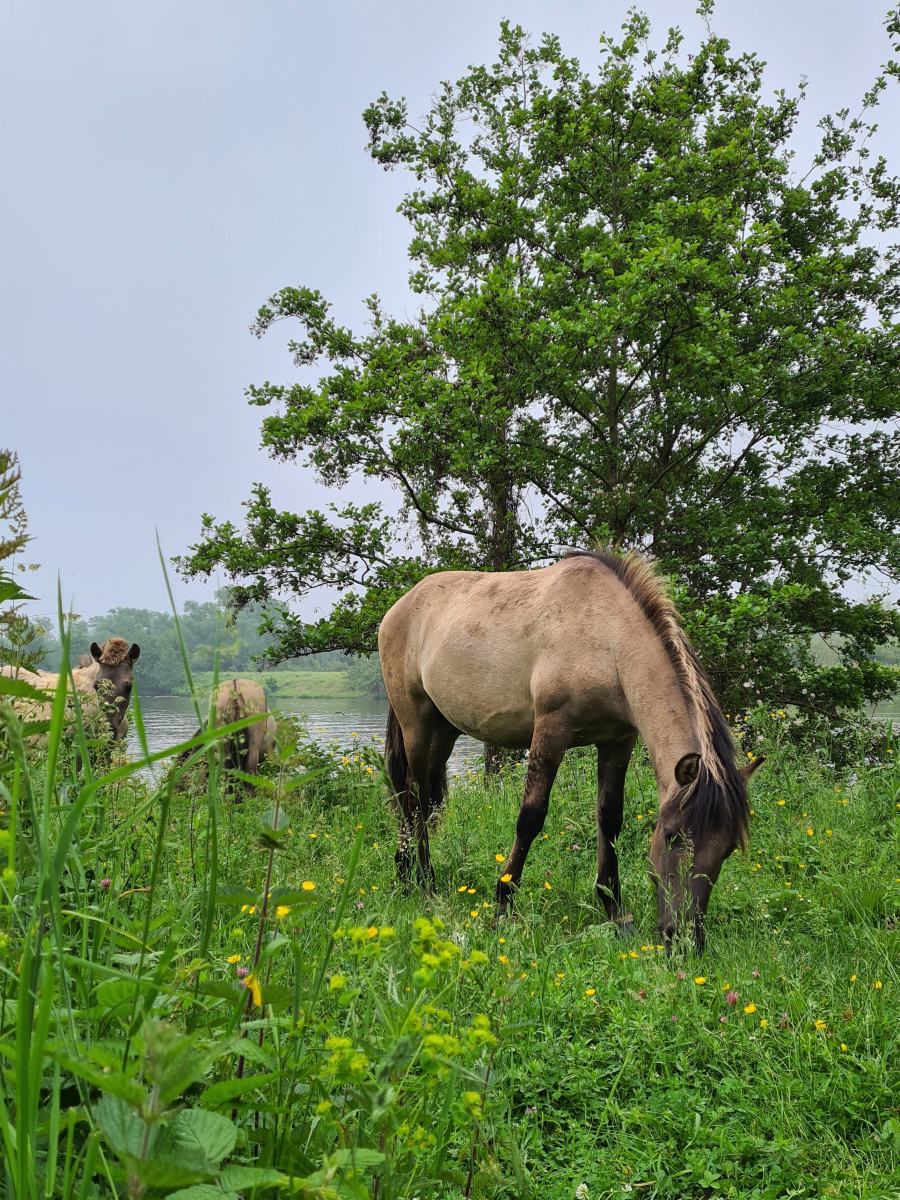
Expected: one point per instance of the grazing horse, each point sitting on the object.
(103, 683)
(589, 650)
(232, 701)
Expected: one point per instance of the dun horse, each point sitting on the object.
(104, 679)
(589, 650)
(234, 700)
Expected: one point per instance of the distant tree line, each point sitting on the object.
(207, 628)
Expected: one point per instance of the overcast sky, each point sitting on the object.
(166, 166)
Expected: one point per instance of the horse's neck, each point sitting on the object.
(85, 677)
(661, 712)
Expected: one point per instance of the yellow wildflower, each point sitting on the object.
(233, 958)
(505, 878)
(820, 1025)
(700, 980)
(499, 857)
(877, 983)
(462, 889)
(590, 991)
(764, 1024)
(282, 911)
(750, 1008)
(251, 983)
(548, 886)
(308, 885)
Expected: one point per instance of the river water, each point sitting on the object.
(169, 720)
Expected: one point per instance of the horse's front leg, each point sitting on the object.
(612, 764)
(547, 749)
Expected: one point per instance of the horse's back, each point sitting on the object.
(495, 651)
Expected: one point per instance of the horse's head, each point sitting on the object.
(115, 662)
(702, 820)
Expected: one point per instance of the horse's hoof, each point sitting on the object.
(625, 927)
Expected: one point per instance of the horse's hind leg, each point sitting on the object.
(443, 739)
(612, 764)
(547, 749)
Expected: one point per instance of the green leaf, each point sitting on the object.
(239, 1177)
(230, 893)
(275, 823)
(212, 1134)
(222, 990)
(202, 1191)
(277, 994)
(166, 1172)
(230, 1089)
(113, 1083)
(286, 895)
(122, 1127)
(23, 689)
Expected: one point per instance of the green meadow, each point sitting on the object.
(211, 995)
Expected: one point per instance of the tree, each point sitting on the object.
(640, 328)
(20, 637)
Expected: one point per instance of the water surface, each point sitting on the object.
(169, 720)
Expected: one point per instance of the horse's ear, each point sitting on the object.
(134, 653)
(752, 767)
(687, 769)
(95, 652)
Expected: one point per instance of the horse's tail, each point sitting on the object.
(395, 759)
(237, 745)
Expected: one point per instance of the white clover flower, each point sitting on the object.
(581, 1192)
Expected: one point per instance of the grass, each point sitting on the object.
(205, 998)
(297, 685)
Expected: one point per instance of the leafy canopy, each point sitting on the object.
(640, 326)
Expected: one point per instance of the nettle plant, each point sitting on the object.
(137, 1064)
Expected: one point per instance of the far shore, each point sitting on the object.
(287, 685)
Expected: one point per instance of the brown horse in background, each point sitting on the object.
(234, 700)
(587, 651)
(103, 682)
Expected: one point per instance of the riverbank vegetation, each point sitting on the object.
(205, 994)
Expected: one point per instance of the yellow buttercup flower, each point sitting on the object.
(505, 878)
(750, 1008)
(308, 885)
(233, 958)
(877, 983)
(700, 979)
(498, 857)
(590, 991)
(548, 886)
(282, 911)
(820, 1025)
(462, 889)
(763, 1023)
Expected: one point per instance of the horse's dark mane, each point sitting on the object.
(717, 798)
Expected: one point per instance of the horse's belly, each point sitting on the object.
(489, 705)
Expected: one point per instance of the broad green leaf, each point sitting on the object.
(212, 1134)
(122, 1127)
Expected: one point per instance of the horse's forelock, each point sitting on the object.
(113, 651)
